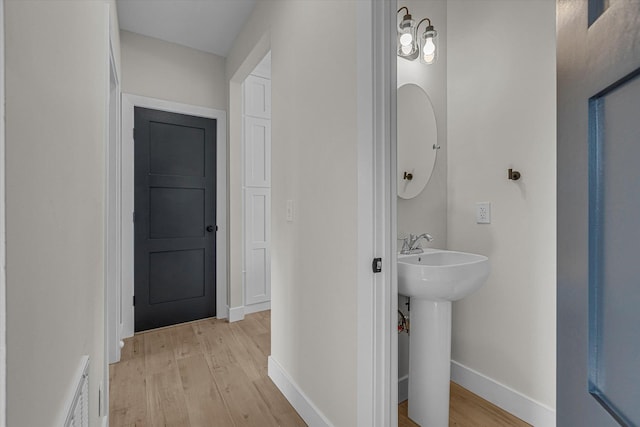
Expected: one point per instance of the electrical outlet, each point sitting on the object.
(483, 213)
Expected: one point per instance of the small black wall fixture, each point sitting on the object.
(514, 175)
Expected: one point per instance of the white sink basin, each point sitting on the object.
(439, 275)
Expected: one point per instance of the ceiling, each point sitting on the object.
(208, 25)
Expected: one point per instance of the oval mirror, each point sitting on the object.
(417, 140)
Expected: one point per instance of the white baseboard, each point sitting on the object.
(236, 313)
(403, 388)
(222, 311)
(523, 407)
(254, 308)
(300, 402)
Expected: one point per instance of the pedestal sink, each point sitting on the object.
(433, 280)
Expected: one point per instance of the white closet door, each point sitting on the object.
(257, 190)
(257, 245)
(257, 97)
(257, 145)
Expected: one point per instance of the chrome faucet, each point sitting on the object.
(410, 244)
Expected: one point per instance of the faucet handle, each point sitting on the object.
(405, 244)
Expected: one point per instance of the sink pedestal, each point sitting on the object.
(433, 279)
(430, 362)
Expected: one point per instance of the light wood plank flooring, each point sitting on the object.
(468, 410)
(204, 373)
(213, 373)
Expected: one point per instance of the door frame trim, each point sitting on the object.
(113, 278)
(3, 237)
(112, 267)
(377, 299)
(129, 101)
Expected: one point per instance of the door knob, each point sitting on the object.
(210, 228)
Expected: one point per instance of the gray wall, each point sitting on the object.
(495, 107)
(502, 103)
(314, 163)
(427, 212)
(159, 69)
(56, 83)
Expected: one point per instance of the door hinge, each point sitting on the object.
(134, 300)
(134, 134)
(133, 216)
(100, 400)
(376, 265)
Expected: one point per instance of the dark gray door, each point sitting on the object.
(174, 218)
(598, 213)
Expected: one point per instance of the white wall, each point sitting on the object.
(163, 70)
(427, 212)
(502, 114)
(167, 71)
(314, 136)
(56, 79)
(114, 33)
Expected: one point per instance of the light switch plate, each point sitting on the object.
(483, 213)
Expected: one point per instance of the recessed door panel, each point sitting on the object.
(614, 316)
(257, 282)
(257, 152)
(258, 218)
(176, 150)
(257, 245)
(176, 212)
(176, 275)
(598, 174)
(257, 97)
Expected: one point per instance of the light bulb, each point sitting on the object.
(429, 47)
(406, 39)
(428, 59)
(406, 50)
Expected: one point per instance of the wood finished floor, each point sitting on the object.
(213, 373)
(468, 410)
(205, 373)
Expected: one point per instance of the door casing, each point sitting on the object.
(377, 294)
(3, 276)
(113, 278)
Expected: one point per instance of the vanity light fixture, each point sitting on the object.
(407, 43)
(410, 46)
(428, 44)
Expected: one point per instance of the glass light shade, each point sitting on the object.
(429, 46)
(407, 43)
